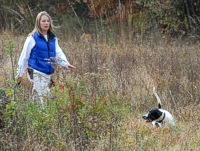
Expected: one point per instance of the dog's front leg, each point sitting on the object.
(156, 124)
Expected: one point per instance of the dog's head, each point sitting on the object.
(152, 115)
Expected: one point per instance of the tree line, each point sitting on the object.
(176, 17)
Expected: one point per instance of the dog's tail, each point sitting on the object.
(157, 97)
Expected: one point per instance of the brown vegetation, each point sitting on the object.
(119, 78)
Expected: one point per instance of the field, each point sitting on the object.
(99, 105)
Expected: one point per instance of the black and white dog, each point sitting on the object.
(159, 115)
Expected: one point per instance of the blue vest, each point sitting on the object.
(42, 57)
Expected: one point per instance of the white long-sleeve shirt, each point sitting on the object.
(26, 51)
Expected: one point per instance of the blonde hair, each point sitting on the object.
(37, 23)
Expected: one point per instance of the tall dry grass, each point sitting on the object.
(117, 78)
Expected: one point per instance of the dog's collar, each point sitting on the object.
(160, 119)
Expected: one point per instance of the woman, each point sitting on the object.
(40, 52)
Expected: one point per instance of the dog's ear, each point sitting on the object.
(159, 113)
(155, 113)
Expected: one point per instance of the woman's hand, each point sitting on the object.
(19, 80)
(70, 66)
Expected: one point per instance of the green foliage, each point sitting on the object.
(8, 113)
(71, 115)
(9, 48)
